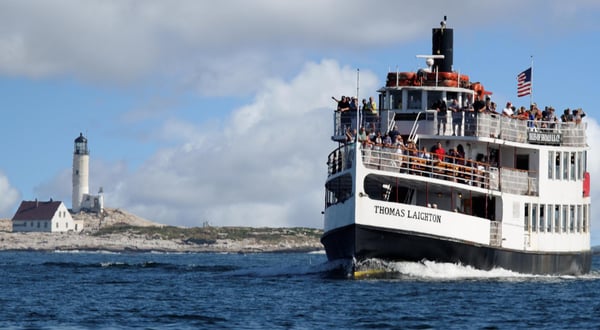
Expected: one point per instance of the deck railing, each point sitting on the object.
(520, 182)
(482, 125)
(408, 161)
(454, 169)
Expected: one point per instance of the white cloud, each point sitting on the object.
(9, 196)
(218, 47)
(265, 166)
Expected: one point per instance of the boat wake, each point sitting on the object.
(433, 271)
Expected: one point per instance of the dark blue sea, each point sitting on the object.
(81, 290)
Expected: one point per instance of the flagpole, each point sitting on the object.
(531, 86)
(357, 104)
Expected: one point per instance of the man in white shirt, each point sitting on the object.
(508, 111)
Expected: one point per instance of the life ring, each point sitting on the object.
(407, 75)
(448, 83)
(447, 75)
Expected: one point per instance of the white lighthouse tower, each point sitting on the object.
(81, 163)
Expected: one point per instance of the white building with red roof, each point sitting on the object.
(40, 216)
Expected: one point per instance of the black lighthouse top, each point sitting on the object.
(81, 145)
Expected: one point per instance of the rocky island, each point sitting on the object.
(119, 231)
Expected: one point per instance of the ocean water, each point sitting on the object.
(280, 291)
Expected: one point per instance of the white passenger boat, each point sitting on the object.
(514, 194)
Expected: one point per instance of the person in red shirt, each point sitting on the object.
(440, 152)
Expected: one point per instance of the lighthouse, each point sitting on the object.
(81, 163)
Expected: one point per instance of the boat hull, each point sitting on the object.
(364, 242)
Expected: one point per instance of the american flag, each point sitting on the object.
(524, 83)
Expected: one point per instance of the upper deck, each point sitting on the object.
(414, 115)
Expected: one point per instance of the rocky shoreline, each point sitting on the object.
(119, 231)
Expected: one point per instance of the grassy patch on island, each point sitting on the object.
(210, 234)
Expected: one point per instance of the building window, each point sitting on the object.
(45, 224)
(57, 224)
(38, 224)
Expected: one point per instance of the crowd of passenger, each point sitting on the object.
(348, 106)
(535, 117)
(380, 147)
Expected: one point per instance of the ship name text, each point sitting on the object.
(408, 214)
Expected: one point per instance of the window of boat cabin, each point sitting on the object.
(542, 226)
(433, 97)
(414, 99)
(556, 218)
(534, 217)
(572, 218)
(550, 164)
(579, 166)
(585, 218)
(579, 218)
(565, 213)
(396, 99)
(526, 217)
(451, 96)
(573, 173)
(550, 212)
(565, 165)
(557, 164)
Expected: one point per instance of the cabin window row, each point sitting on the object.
(415, 99)
(566, 165)
(554, 218)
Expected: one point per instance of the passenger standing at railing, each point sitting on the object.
(351, 135)
(424, 154)
(394, 133)
(366, 112)
(362, 135)
(440, 152)
(387, 140)
(343, 107)
(442, 113)
(508, 111)
(566, 116)
(457, 115)
(353, 111)
(578, 114)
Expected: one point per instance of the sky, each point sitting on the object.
(220, 112)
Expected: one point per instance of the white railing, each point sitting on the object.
(518, 182)
(408, 161)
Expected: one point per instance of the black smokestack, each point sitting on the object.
(442, 44)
